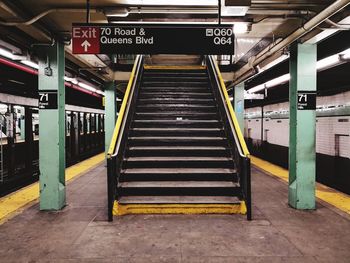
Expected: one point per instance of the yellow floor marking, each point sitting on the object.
(329, 195)
(127, 209)
(12, 204)
(174, 67)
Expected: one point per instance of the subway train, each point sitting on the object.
(19, 141)
(267, 136)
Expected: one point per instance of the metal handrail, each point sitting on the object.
(120, 124)
(118, 142)
(243, 149)
(239, 148)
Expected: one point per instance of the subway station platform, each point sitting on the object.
(81, 233)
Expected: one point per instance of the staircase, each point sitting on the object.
(177, 149)
(177, 157)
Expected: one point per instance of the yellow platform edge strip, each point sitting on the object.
(329, 195)
(187, 209)
(14, 203)
(174, 67)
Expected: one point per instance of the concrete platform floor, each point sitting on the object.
(80, 232)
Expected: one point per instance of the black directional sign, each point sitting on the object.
(306, 100)
(48, 99)
(152, 39)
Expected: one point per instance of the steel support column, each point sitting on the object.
(238, 104)
(302, 125)
(110, 112)
(52, 129)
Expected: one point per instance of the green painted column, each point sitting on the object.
(238, 104)
(52, 127)
(302, 126)
(110, 112)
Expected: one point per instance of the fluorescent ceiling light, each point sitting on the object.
(257, 88)
(83, 85)
(274, 63)
(6, 54)
(269, 84)
(345, 54)
(320, 65)
(235, 7)
(240, 28)
(327, 32)
(169, 3)
(323, 35)
(327, 62)
(73, 80)
(277, 81)
(234, 10)
(117, 12)
(100, 92)
(86, 86)
(30, 64)
(147, 10)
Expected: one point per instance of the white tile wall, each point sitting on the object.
(255, 128)
(326, 127)
(344, 149)
(278, 131)
(338, 99)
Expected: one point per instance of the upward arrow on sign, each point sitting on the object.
(86, 45)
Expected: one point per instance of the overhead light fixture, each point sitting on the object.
(345, 54)
(100, 92)
(234, 7)
(83, 85)
(171, 3)
(277, 81)
(5, 53)
(86, 86)
(8, 54)
(117, 12)
(148, 10)
(327, 62)
(257, 88)
(271, 83)
(30, 64)
(327, 32)
(321, 65)
(274, 63)
(240, 28)
(69, 79)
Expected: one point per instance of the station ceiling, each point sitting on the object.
(269, 21)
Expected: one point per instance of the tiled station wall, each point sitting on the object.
(332, 132)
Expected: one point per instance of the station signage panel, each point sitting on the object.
(307, 100)
(48, 99)
(152, 39)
